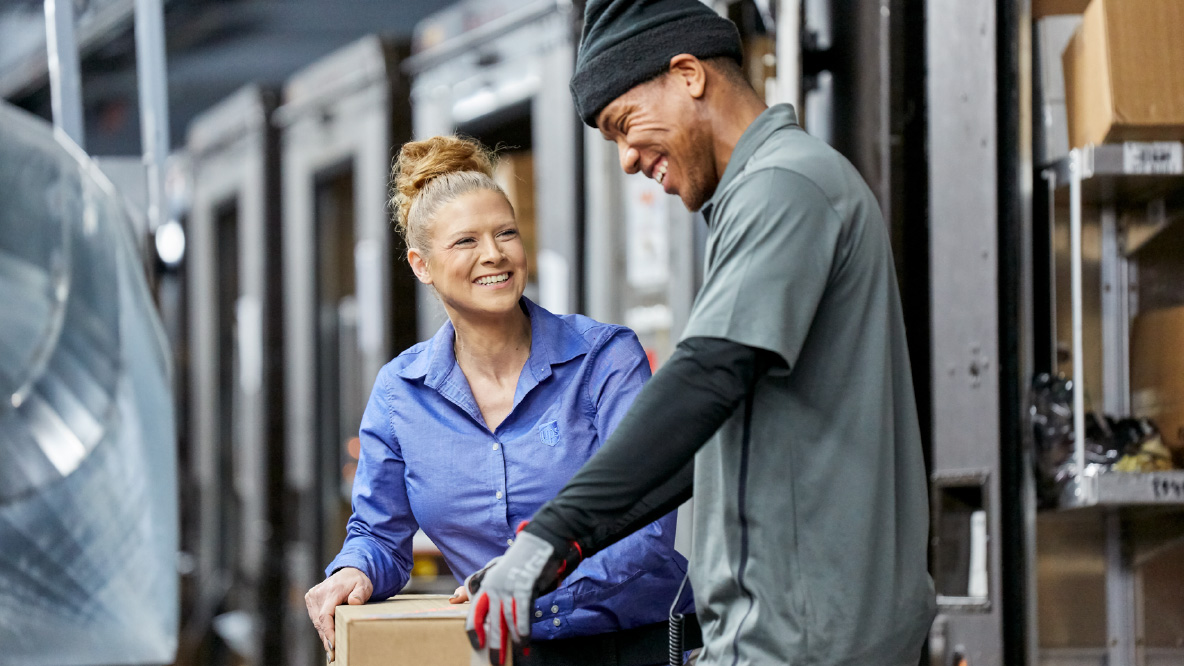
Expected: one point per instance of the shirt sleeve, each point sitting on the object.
(775, 241)
(644, 470)
(619, 371)
(379, 533)
(628, 577)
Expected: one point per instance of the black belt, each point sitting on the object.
(641, 646)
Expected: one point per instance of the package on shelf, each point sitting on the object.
(515, 174)
(1043, 8)
(408, 630)
(1157, 374)
(1122, 73)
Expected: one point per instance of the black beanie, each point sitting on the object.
(627, 42)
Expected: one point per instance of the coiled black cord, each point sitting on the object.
(674, 633)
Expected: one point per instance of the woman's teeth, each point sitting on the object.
(660, 172)
(494, 279)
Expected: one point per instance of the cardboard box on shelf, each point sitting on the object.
(1157, 374)
(1122, 73)
(1042, 8)
(515, 174)
(408, 630)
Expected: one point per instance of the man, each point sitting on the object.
(789, 400)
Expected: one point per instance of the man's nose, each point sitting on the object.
(630, 159)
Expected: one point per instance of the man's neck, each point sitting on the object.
(732, 113)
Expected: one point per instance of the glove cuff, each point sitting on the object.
(567, 554)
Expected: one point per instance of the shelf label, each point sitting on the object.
(1167, 488)
(1155, 158)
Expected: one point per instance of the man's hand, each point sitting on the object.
(346, 585)
(504, 591)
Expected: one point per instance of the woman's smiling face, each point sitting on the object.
(476, 261)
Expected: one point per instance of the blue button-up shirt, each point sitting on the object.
(429, 461)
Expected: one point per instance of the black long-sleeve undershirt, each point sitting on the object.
(646, 468)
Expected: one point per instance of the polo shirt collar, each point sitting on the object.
(778, 116)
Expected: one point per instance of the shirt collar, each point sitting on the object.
(552, 342)
(775, 117)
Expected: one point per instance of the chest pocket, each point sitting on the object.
(549, 433)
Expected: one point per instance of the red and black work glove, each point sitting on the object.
(503, 593)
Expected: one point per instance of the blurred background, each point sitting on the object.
(1026, 155)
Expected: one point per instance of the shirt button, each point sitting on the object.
(538, 613)
(556, 622)
(509, 542)
(495, 447)
(499, 494)
(555, 609)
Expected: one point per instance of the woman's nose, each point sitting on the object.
(491, 252)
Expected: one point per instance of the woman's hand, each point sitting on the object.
(346, 585)
(460, 596)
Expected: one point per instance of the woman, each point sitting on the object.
(468, 434)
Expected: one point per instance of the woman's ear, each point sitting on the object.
(419, 265)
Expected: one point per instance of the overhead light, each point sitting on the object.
(170, 243)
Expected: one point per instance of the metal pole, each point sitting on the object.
(1116, 321)
(789, 54)
(1051, 275)
(1123, 603)
(154, 109)
(884, 135)
(65, 80)
(1075, 281)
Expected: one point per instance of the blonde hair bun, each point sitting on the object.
(419, 163)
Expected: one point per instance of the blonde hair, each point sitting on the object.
(431, 173)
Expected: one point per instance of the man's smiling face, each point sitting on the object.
(660, 131)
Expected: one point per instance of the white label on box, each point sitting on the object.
(1156, 158)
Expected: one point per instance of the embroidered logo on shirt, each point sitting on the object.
(549, 433)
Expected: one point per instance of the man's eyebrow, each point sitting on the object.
(603, 121)
(615, 121)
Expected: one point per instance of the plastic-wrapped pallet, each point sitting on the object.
(88, 508)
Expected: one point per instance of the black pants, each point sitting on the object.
(647, 645)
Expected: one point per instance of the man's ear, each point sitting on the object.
(419, 265)
(690, 73)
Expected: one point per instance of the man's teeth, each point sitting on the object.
(494, 279)
(660, 172)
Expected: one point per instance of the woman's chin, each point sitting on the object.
(491, 303)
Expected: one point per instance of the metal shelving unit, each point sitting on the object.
(1109, 177)
(1130, 173)
(1125, 490)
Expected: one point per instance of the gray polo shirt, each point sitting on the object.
(811, 503)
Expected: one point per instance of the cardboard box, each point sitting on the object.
(1157, 374)
(1043, 8)
(408, 630)
(515, 174)
(1122, 73)
(1052, 35)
